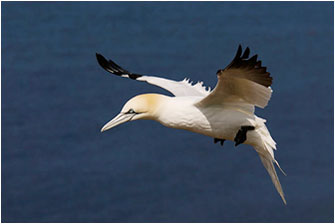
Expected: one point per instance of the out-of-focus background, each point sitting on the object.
(58, 167)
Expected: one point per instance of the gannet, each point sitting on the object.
(225, 113)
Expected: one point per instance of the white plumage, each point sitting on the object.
(225, 113)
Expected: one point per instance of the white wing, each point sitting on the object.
(177, 88)
(243, 80)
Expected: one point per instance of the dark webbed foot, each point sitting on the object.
(219, 140)
(241, 135)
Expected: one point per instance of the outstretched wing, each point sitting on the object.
(243, 80)
(177, 88)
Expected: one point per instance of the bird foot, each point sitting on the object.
(216, 140)
(241, 135)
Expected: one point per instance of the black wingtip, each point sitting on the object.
(102, 61)
(239, 51)
(112, 67)
(253, 59)
(99, 57)
(246, 53)
(242, 62)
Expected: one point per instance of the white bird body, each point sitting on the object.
(213, 121)
(226, 113)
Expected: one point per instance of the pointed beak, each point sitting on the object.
(119, 119)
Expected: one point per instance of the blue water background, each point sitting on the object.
(58, 167)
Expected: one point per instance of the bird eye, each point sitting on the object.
(131, 111)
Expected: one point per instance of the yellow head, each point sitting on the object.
(143, 106)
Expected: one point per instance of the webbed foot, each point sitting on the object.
(241, 135)
(216, 140)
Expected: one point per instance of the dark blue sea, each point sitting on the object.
(56, 166)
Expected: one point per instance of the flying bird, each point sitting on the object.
(225, 113)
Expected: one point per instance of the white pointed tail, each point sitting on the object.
(264, 149)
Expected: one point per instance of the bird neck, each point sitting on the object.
(153, 104)
(177, 112)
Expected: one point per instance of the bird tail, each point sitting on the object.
(265, 152)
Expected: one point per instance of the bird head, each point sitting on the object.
(143, 106)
